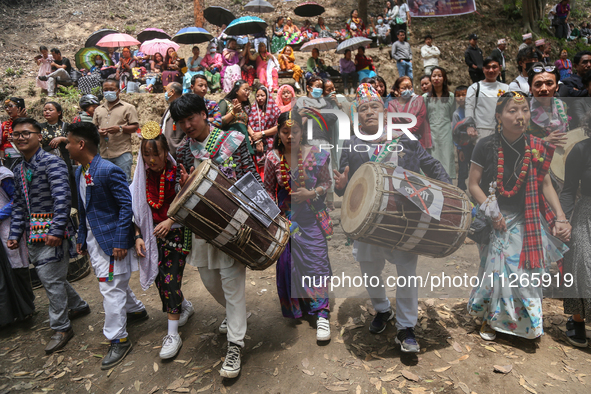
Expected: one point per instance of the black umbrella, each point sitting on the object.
(309, 9)
(151, 33)
(218, 16)
(95, 37)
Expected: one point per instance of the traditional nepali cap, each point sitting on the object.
(526, 36)
(366, 93)
(501, 41)
(540, 42)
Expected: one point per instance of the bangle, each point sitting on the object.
(562, 221)
(498, 220)
(139, 236)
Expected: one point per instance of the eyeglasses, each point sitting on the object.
(7, 107)
(24, 134)
(539, 69)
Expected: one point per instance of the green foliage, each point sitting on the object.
(97, 91)
(237, 2)
(577, 13)
(10, 72)
(31, 89)
(130, 29)
(70, 93)
(544, 24)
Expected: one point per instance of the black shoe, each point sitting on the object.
(380, 322)
(407, 341)
(72, 314)
(136, 317)
(43, 77)
(576, 333)
(116, 354)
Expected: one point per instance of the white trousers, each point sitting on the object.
(118, 301)
(407, 298)
(60, 73)
(227, 286)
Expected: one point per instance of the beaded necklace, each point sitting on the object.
(522, 174)
(160, 202)
(284, 169)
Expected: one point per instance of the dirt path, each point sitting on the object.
(282, 355)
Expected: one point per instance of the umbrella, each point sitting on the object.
(323, 44)
(115, 40)
(85, 58)
(353, 43)
(246, 25)
(218, 16)
(309, 8)
(151, 47)
(259, 6)
(151, 33)
(192, 35)
(96, 36)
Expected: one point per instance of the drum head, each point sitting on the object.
(557, 166)
(185, 192)
(359, 199)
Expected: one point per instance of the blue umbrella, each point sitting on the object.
(192, 35)
(246, 25)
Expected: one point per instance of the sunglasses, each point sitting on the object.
(539, 69)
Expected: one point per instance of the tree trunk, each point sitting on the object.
(533, 11)
(198, 12)
(362, 9)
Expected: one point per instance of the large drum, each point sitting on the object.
(376, 212)
(212, 212)
(558, 164)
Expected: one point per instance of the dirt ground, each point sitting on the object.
(282, 355)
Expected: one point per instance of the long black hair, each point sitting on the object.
(295, 117)
(234, 93)
(264, 89)
(445, 87)
(58, 108)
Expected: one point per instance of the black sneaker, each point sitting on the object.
(136, 317)
(407, 341)
(74, 314)
(231, 367)
(576, 333)
(380, 322)
(43, 77)
(116, 354)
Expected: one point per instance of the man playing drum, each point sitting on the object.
(372, 258)
(223, 276)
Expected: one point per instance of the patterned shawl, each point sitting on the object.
(260, 120)
(540, 120)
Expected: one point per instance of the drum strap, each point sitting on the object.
(378, 155)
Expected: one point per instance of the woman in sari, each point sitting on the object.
(262, 124)
(231, 71)
(212, 65)
(511, 168)
(194, 67)
(298, 171)
(355, 26)
(308, 31)
(266, 67)
(322, 30)
(292, 33)
(287, 63)
(172, 68)
(278, 40)
(285, 98)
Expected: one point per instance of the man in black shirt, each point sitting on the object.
(473, 58)
(60, 68)
(573, 85)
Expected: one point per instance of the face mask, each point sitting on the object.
(380, 21)
(166, 97)
(406, 93)
(317, 92)
(110, 96)
(99, 62)
(528, 66)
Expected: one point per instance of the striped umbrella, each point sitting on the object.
(246, 25)
(353, 43)
(85, 58)
(259, 6)
(323, 44)
(309, 9)
(116, 40)
(192, 35)
(151, 47)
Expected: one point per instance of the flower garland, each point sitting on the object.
(284, 169)
(160, 202)
(522, 174)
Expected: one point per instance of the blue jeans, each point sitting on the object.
(404, 68)
(124, 162)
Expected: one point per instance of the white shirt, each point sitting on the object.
(402, 10)
(430, 55)
(484, 114)
(520, 83)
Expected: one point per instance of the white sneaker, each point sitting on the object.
(224, 326)
(231, 367)
(171, 344)
(322, 329)
(487, 333)
(297, 86)
(186, 314)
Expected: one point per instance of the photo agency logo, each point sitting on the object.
(395, 122)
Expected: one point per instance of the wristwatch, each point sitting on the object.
(263, 133)
(139, 236)
(121, 129)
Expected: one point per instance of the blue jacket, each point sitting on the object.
(107, 207)
(413, 157)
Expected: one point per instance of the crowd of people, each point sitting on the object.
(504, 135)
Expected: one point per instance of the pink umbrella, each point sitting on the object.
(117, 40)
(160, 45)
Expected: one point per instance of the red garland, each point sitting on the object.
(160, 192)
(284, 169)
(522, 174)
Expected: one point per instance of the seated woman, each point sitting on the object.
(110, 70)
(141, 59)
(172, 68)
(248, 66)
(292, 34)
(315, 65)
(322, 30)
(91, 79)
(231, 71)
(287, 63)
(156, 67)
(308, 31)
(285, 98)
(262, 122)
(348, 70)
(278, 40)
(124, 67)
(266, 67)
(355, 26)
(364, 65)
(235, 108)
(212, 66)
(44, 62)
(193, 67)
